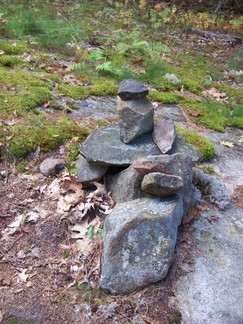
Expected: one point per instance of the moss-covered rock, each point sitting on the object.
(201, 143)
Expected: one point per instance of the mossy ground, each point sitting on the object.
(124, 47)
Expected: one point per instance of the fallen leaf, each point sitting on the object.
(240, 140)
(5, 279)
(46, 104)
(101, 190)
(228, 144)
(23, 276)
(2, 52)
(32, 217)
(15, 226)
(194, 212)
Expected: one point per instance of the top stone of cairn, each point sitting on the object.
(130, 89)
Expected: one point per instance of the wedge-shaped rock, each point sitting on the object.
(150, 164)
(179, 164)
(139, 242)
(162, 185)
(135, 117)
(130, 89)
(88, 172)
(104, 146)
(164, 134)
(125, 186)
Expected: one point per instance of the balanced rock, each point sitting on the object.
(104, 146)
(88, 172)
(51, 167)
(164, 134)
(135, 117)
(125, 186)
(162, 185)
(148, 164)
(130, 89)
(179, 164)
(139, 241)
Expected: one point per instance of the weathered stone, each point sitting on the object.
(130, 89)
(104, 146)
(51, 167)
(218, 194)
(88, 172)
(139, 240)
(147, 165)
(179, 164)
(125, 185)
(172, 78)
(182, 146)
(162, 185)
(164, 135)
(136, 117)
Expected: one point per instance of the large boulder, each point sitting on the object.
(162, 185)
(135, 117)
(139, 242)
(126, 185)
(104, 146)
(88, 172)
(131, 90)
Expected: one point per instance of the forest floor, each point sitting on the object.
(44, 275)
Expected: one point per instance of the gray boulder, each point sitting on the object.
(139, 242)
(164, 134)
(162, 185)
(104, 146)
(88, 172)
(130, 89)
(51, 167)
(135, 117)
(125, 185)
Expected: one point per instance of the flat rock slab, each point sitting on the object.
(164, 134)
(162, 185)
(88, 172)
(130, 89)
(104, 146)
(211, 290)
(135, 117)
(139, 242)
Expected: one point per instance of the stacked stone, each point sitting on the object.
(152, 193)
(135, 111)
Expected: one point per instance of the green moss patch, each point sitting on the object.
(45, 133)
(74, 92)
(11, 61)
(14, 48)
(203, 145)
(103, 87)
(21, 91)
(233, 93)
(165, 97)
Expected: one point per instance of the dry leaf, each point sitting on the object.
(13, 227)
(101, 190)
(23, 276)
(5, 279)
(32, 217)
(226, 143)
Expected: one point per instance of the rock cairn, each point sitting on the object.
(152, 190)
